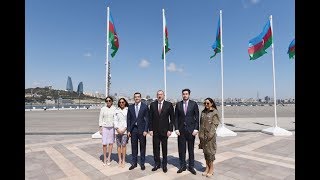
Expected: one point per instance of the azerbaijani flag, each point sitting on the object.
(259, 44)
(217, 44)
(292, 49)
(166, 41)
(113, 37)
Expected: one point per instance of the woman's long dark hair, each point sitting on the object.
(212, 102)
(126, 104)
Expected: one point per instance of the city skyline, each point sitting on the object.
(61, 42)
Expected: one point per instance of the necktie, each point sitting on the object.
(137, 110)
(185, 108)
(159, 109)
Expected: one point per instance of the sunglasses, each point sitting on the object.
(108, 100)
(121, 102)
(206, 103)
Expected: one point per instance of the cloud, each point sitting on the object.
(144, 63)
(255, 1)
(173, 68)
(248, 3)
(88, 54)
(36, 84)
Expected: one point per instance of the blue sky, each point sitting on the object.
(68, 38)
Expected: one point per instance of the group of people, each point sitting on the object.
(158, 120)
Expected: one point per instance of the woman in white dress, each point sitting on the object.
(120, 125)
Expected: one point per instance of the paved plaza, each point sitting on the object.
(249, 155)
(73, 154)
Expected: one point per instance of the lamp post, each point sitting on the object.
(79, 99)
(31, 100)
(58, 99)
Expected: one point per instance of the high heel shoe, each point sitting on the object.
(108, 163)
(209, 175)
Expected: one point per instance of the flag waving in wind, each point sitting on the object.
(217, 44)
(292, 49)
(259, 44)
(166, 41)
(113, 37)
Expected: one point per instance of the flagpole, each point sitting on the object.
(274, 79)
(277, 131)
(107, 55)
(97, 135)
(222, 100)
(222, 130)
(164, 55)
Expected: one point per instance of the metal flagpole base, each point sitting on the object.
(277, 131)
(222, 131)
(96, 135)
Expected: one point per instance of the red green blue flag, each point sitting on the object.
(166, 40)
(292, 49)
(217, 44)
(259, 44)
(113, 37)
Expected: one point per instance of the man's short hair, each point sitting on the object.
(186, 90)
(136, 93)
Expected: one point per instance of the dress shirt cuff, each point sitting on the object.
(177, 131)
(195, 131)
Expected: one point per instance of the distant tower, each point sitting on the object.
(69, 84)
(80, 88)
(257, 95)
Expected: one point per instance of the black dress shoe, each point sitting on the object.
(182, 169)
(132, 166)
(155, 168)
(192, 171)
(143, 167)
(165, 169)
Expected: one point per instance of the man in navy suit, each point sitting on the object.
(137, 127)
(186, 127)
(160, 128)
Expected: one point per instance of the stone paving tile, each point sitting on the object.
(56, 175)
(190, 176)
(264, 177)
(36, 174)
(40, 164)
(277, 171)
(82, 165)
(290, 177)
(281, 147)
(241, 143)
(222, 177)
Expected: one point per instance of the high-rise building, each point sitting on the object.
(69, 84)
(80, 88)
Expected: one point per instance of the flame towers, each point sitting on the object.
(69, 84)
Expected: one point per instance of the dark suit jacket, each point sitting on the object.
(142, 119)
(190, 120)
(160, 123)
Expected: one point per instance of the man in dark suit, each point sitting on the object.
(160, 128)
(186, 127)
(137, 126)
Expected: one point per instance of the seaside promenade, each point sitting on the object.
(58, 145)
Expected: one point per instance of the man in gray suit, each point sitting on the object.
(186, 127)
